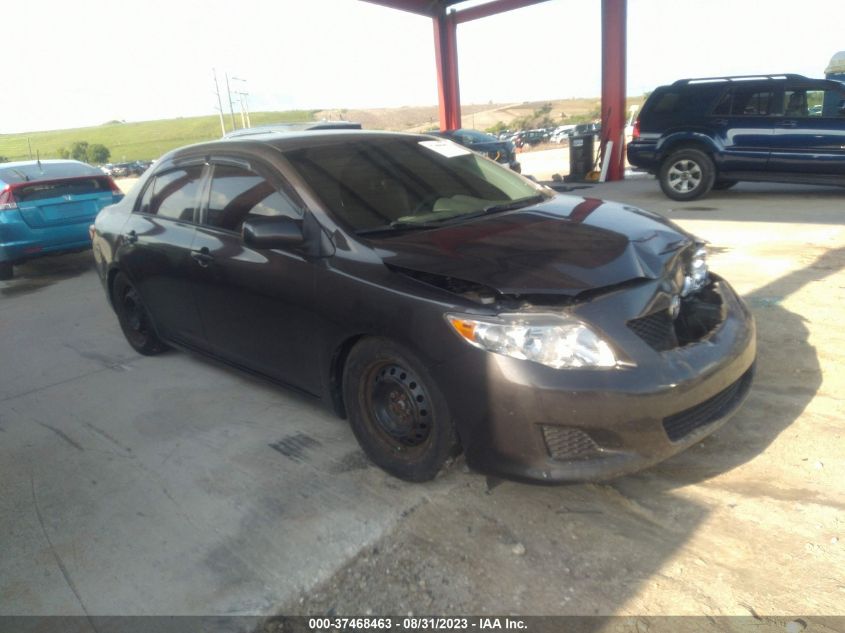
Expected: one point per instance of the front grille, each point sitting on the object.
(566, 444)
(656, 329)
(699, 315)
(681, 424)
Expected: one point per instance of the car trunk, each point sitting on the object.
(44, 204)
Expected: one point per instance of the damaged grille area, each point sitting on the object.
(700, 314)
(681, 424)
(567, 444)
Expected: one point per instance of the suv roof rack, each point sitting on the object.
(684, 82)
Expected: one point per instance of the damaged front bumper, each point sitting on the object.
(686, 375)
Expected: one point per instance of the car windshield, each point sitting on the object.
(401, 183)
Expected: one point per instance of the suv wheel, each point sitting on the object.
(687, 174)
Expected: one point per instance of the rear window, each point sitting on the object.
(45, 170)
(61, 188)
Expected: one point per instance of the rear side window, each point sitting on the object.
(173, 194)
(76, 187)
(751, 101)
(238, 194)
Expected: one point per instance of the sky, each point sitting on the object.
(74, 64)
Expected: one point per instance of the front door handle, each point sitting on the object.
(131, 237)
(789, 124)
(720, 121)
(203, 256)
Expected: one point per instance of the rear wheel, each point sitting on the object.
(134, 318)
(396, 411)
(6, 271)
(687, 174)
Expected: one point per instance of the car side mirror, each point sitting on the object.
(273, 232)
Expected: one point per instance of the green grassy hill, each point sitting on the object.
(136, 141)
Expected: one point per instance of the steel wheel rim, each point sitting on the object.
(399, 407)
(685, 175)
(133, 313)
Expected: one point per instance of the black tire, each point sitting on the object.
(396, 410)
(721, 185)
(134, 318)
(687, 174)
(7, 271)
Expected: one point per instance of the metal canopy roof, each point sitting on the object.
(434, 8)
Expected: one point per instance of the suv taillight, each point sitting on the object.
(7, 200)
(636, 132)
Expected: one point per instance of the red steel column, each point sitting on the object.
(446, 55)
(613, 68)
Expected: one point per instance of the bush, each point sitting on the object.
(98, 153)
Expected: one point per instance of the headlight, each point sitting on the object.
(695, 277)
(551, 340)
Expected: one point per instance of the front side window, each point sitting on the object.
(238, 194)
(173, 194)
(384, 183)
(803, 102)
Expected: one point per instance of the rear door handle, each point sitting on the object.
(203, 256)
(720, 121)
(131, 237)
(789, 124)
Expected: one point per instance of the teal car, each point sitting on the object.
(46, 206)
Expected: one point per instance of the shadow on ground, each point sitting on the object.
(43, 272)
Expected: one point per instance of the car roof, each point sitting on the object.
(284, 141)
(294, 127)
(36, 170)
(791, 78)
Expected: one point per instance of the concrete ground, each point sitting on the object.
(169, 485)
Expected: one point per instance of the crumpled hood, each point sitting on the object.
(566, 245)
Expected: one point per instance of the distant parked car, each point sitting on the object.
(47, 206)
(486, 144)
(562, 133)
(703, 134)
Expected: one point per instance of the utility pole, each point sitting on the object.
(231, 107)
(244, 104)
(219, 102)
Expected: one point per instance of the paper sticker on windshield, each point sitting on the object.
(446, 148)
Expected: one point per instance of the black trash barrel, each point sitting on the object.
(580, 156)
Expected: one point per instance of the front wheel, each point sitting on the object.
(687, 174)
(396, 411)
(133, 317)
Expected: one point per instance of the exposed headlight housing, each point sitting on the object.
(556, 341)
(695, 276)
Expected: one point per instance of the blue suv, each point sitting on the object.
(710, 133)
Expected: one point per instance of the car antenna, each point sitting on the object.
(38, 159)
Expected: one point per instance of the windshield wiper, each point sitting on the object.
(513, 204)
(395, 227)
